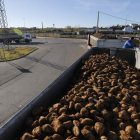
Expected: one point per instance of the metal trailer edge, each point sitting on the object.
(103, 43)
(9, 130)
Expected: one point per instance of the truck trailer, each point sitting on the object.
(13, 37)
(46, 97)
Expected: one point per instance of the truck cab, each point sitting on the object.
(27, 37)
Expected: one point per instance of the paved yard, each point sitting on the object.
(22, 80)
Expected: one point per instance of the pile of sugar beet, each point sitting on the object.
(102, 102)
(104, 36)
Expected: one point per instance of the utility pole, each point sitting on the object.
(42, 26)
(97, 22)
(125, 24)
(24, 24)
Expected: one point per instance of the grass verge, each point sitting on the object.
(14, 52)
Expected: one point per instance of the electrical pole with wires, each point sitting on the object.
(119, 17)
(97, 22)
(125, 24)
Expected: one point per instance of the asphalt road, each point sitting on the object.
(23, 79)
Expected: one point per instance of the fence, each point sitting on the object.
(59, 36)
(74, 36)
(47, 35)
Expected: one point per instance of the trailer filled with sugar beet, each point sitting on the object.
(109, 41)
(96, 98)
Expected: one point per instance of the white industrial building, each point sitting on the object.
(128, 29)
(133, 25)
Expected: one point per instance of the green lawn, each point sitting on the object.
(14, 52)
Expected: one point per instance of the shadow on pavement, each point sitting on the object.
(19, 68)
(32, 43)
(47, 63)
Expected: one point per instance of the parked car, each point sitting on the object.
(33, 36)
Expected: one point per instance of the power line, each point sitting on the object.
(118, 17)
(112, 16)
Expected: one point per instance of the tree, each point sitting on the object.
(118, 25)
(68, 27)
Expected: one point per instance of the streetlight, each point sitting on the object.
(125, 24)
(24, 23)
(9, 23)
(42, 26)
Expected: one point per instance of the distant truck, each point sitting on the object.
(13, 37)
(33, 36)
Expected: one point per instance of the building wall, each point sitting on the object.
(128, 29)
(133, 25)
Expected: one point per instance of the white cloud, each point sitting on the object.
(114, 5)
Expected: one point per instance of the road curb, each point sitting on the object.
(21, 56)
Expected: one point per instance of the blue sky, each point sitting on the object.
(75, 13)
